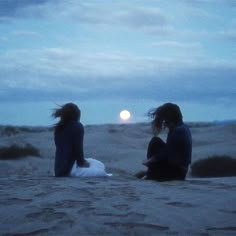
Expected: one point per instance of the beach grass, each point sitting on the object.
(15, 151)
(214, 166)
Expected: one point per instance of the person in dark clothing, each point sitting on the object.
(170, 160)
(68, 138)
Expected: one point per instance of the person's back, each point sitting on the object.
(69, 147)
(179, 146)
(68, 138)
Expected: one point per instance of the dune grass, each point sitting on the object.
(9, 130)
(15, 152)
(214, 166)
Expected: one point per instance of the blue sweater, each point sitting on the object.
(69, 148)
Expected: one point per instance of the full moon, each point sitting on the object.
(125, 115)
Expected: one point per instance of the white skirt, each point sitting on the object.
(96, 168)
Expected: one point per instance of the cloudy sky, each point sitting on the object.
(135, 51)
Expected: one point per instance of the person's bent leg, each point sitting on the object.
(168, 172)
(157, 171)
(163, 171)
(154, 146)
(141, 174)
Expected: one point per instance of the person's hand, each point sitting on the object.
(144, 162)
(149, 161)
(86, 164)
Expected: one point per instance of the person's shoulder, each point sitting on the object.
(77, 126)
(182, 127)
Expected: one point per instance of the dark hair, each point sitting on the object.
(167, 113)
(66, 113)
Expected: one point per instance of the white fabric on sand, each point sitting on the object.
(96, 168)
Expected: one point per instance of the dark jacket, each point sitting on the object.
(69, 148)
(179, 146)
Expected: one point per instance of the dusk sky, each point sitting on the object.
(109, 55)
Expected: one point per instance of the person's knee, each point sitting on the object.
(155, 141)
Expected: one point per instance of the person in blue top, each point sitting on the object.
(68, 138)
(168, 160)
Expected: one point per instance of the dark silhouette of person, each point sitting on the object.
(68, 138)
(168, 160)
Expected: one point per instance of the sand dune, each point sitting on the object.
(33, 202)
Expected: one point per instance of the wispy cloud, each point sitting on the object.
(17, 8)
(136, 49)
(228, 3)
(229, 35)
(89, 12)
(178, 45)
(58, 69)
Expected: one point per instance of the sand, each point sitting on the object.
(34, 202)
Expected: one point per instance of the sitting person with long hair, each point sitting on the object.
(168, 160)
(68, 138)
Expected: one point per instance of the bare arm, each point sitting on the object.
(79, 147)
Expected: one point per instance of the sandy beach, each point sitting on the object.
(34, 202)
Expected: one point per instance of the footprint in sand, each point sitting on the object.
(228, 211)
(227, 228)
(180, 204)
(15, 201)
(46, 214)
(32, 233)
(137, 226)
(162, 198)
(69, 204)
(131, 215)
(123, 207)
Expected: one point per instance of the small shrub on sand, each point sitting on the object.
(9, 130)
(214, 166)
(14, 152)
(112, 130)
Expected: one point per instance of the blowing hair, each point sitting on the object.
(167, 113)
(66, 113)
